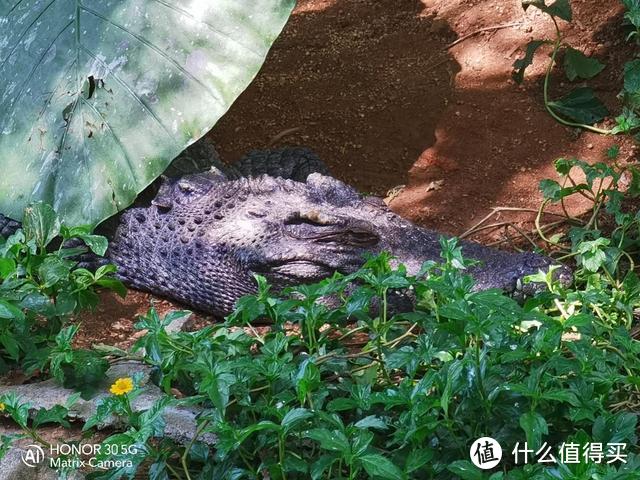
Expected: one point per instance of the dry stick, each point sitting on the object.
(510, 240)
(495, 210)
(485, 29)
(488, 227)
(465, 37)
(282, 134)
(435, 65)
(523, 233)
(543, 228)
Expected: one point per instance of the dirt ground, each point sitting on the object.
(382, 93)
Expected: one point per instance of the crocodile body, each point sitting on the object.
(278, 214)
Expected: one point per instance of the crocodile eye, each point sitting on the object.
(257, 213)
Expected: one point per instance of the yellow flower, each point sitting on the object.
(2, 407)
(122, 386)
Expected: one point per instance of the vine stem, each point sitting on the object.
(173, 471)
(538, 226)
(183, 458)
(556, 48)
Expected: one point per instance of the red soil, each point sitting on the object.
(377, 89)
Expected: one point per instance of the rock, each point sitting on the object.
(180, 422)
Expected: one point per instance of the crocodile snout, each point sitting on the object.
(508, 271)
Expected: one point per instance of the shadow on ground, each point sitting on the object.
(373, 89)
(363, 83)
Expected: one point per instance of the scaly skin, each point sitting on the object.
(204, 236)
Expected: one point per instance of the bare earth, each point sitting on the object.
(379, 91)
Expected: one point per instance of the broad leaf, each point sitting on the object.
(85, 373)
(57, 414)
(294, 417)
(330, 440)
(578, 65)
(96, 98)
(534, 426)
(53, 270)
(559, 8)
(378, 466)
(615, 428)
(7, 267)
(580, 105)
(521, 64)
(97, 243)
(465, 470)
(632, 77)
(7, 310)
(40, 223)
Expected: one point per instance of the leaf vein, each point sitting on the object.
(177, 9)
(158, 50)
(24, 32)
(130, 92)
(115, 137)
(26, 82)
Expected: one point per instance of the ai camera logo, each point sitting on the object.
(485, 453)
(33, 455)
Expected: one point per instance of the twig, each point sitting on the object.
(485, 227)
(485, 29)
(522, 232)
(283, 134)
(435, 65)
(495, 210)
(509, 239)
(544, 228)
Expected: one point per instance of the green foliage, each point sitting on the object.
(594, 249)
(558, 8)
(580, 107)
(41, 287)
(356, 390)
(80, 369)
(521, 64)
(632, 17)
(97, 98)
(578, 65)
(18, 411)
(343, 385)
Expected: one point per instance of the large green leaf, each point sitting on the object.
(97, 97)
(578, 65)
(581, 105)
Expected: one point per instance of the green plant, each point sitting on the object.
(609, 233)
(344, 385)
(354, 390)
(18, 411)
(97, 98)
(41, 288)
(581, 108)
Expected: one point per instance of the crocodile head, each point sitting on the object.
(294, 232)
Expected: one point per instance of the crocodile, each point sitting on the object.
(200, 238)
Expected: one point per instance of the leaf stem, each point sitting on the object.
(556, 48)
